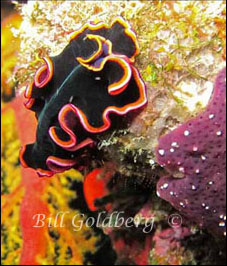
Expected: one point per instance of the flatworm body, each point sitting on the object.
(195, 156)
(74, 93)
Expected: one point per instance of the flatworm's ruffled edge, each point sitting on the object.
(28, 90)
(48, 67)
(58, 165)
(21, 156)
(118, 86)
(55, 164)
(28, 104)
(100, 25)
(111, 109)
(101, 41)
(40, 172)
(71, 144)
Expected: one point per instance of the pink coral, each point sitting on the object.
(195, 156)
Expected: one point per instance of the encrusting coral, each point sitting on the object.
(195, 156)
(77, 100)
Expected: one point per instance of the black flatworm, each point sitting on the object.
(74, 93)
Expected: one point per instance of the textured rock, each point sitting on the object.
(195, 156)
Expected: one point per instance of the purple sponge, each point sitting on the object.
(195, 156)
